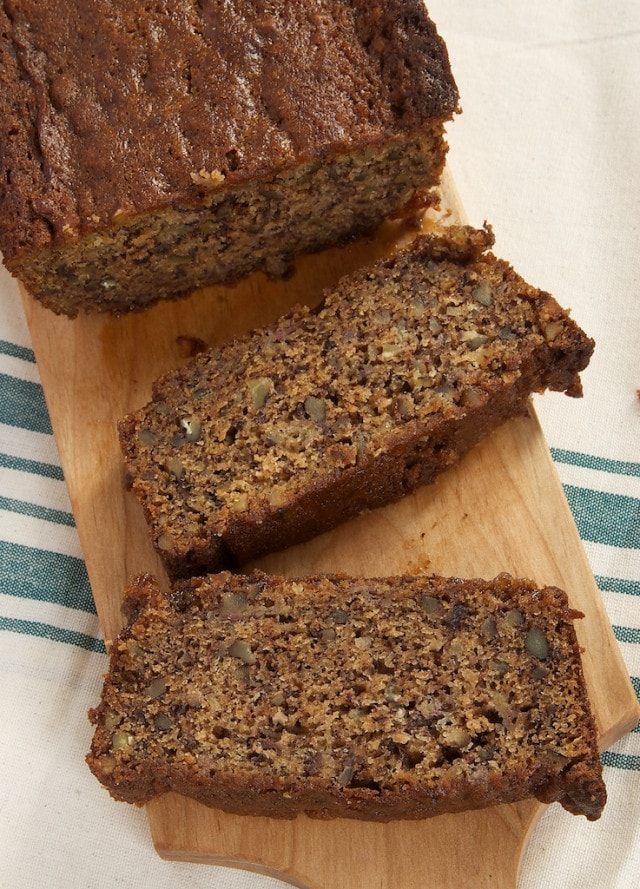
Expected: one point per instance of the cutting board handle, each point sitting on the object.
(481, 851)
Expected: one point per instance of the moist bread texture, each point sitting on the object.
(378, 699)
(150, 149)
(273, 438)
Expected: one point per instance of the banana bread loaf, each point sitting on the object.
(276, 437)
(149, 149)
(377, 699)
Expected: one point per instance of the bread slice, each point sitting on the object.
(150, 149)
(378, 699)
(273, 438)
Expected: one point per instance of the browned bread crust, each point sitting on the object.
(146, 150)
(377, 699)
(278, 436)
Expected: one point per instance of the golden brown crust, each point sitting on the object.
(378, 699)
(283, 434)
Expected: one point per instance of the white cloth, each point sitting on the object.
(547, 149)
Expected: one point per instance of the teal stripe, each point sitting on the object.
(58, 516)
(34, 467)
(618, 585)
(45, 577)
(22, 404)
(626, 761)
(56, 634)
(635, 682)
(15, 351)
(627, 634)
(589, 461)
(612, 519)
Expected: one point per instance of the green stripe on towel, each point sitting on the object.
(22, 404)
(56, 634)
(45, 576)
(57, 516)
(618, 585)
(589, 461)
(620, 528)
(626, 761)
(627, 634)
(33, 467)
(16, 351)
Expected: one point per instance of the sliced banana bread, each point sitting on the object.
(278, 436)
(377, 699)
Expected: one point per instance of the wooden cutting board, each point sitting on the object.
(501, 509)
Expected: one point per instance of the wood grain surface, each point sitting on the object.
(501, 509)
